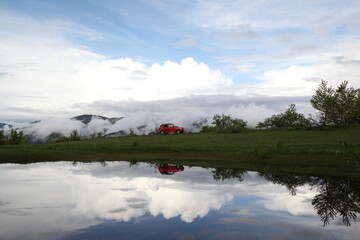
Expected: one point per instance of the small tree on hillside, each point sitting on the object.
(338, 107)
(324, 100)
(2, 138)
(225, 123)
(290, 118)
(16, 137)
(221, 122)
(74, 135)
(237, 125)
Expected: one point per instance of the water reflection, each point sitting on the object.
(336, 197)
(168, 169)
(93, 201)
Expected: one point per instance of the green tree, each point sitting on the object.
(2, 138)
(288, 119)
(346, 109)
(221, 122)
(74, 135)
(337, 107)
(237, 125)
(16, 137)
(225, 123)
(324, 100)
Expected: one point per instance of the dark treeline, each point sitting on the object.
(337, 197)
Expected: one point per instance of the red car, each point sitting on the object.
(170, 128)
(167, 169)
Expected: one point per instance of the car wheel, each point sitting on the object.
(177, 132)
(162, 133)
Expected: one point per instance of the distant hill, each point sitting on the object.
(86, 118)
(2, 125)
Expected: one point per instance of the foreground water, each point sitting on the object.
(118, 200)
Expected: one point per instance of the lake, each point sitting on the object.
(122, 200)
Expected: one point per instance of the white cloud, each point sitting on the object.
(44, 74)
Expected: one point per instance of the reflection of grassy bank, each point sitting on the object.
(305, 151)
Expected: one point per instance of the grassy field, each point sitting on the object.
(327, 152)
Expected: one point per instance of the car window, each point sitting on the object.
(171, 125)
(165, 125)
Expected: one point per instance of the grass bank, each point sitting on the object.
(318, 152)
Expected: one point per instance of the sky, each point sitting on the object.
(172, 60)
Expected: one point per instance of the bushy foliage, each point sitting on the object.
(74, 135)
(3, 138)
(337, 107)
(288, 119)
(237, 125)
(208, 128)
(16, 137)
(224, 123)
(131, 132)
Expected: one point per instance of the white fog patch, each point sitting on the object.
(44, 128)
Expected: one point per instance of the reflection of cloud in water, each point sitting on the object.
(75, 198)
(295, 205)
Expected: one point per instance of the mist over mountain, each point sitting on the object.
(91, 126)
(5, 125)
(87, 118)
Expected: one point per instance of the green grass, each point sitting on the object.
(296, 151)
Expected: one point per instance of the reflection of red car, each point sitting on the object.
(167, 169)
(170, 128)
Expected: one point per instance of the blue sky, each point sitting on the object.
(58, 57)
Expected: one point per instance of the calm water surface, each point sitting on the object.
(117, 200)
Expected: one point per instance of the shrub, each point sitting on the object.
(337, 107)
(207, 128)
(131, 132)
(3, 138)
(16, 137)
(288, 119)
(224, 123)
(74, 136)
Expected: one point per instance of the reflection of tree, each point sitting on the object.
(337, 197)
(133, 163)
(291, 182)
(225, 173)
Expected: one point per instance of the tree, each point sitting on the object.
(2, 138)
(324, 100)
(16, 137)
(237, 125)
(74, 135)
(290, 118)
(338, 107)
(221, 122)
(225, 123)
